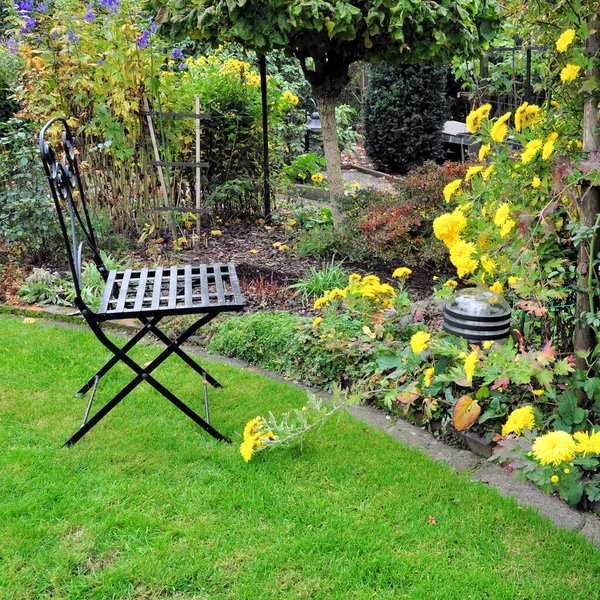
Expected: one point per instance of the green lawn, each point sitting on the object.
(149, 506)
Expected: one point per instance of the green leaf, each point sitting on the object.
(482, 392)
(387, 362)
(487, 31)
(566, 407)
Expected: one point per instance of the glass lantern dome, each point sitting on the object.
(478, 315)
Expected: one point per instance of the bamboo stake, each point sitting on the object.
(161, 176)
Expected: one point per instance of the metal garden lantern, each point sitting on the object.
(313, 125)
(477, 315)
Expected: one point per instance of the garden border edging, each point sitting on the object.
(586, 524)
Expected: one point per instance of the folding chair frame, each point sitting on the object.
(120, 301)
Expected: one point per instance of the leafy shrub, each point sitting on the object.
(8, 84)
(317, 281)
(397, 225)
(291, 345)
(27, 217)
(404, 112)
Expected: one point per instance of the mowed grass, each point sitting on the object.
(149, 506)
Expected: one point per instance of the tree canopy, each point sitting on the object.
(328, 36)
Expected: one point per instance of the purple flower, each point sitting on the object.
(144, 38)
(12, 46)
(182, 66)
(28, 25)
(42, 7)
(72, 36)
(25, 6)
(112, 5)
(89, 16)
(176, 54)
(100, 61)
(153, 25)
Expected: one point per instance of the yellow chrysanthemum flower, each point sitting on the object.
(428, 377)
(451, 188)
(475, 117)
(484, 151)
(548, 150)
(320, 302)
(316, 322)
(554, 479)
(500, 128)
(470, 364)
(502, 214)
(401, 272)
(518, 420)
(317, 177)
(507, 227)
(371, 280)
(552, 137)
(570, 72)
(537, 393)
(488, 172)
(472, 171)
(496, 287)
(487, 345)
(451, 284)
(355, 277)
(418, 342)
(512, 281)
(554, 447)
(488, 264)
(531, 149)
(536, 182)
(586, 443)
(526, 115)
(447, 227)
(565, 40)
(460, 257)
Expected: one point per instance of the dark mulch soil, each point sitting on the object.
(265, 271)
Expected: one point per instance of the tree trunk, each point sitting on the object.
(590, 206)
(326, 106)
(328, 77)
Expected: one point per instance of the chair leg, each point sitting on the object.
(143, 374)
(184, 356)
(114, 360)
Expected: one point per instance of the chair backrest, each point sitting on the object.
(69, 200)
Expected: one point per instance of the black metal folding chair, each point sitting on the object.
(147, 294)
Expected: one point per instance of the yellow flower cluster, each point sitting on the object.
(317, 177)
(518, 420)
(369, 288)
(526, 115)
(256, 435)
(531, 149)
(289, 97)
(476, 116)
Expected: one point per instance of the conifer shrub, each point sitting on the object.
(404, 113)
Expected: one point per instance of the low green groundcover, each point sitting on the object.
(149, 506)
